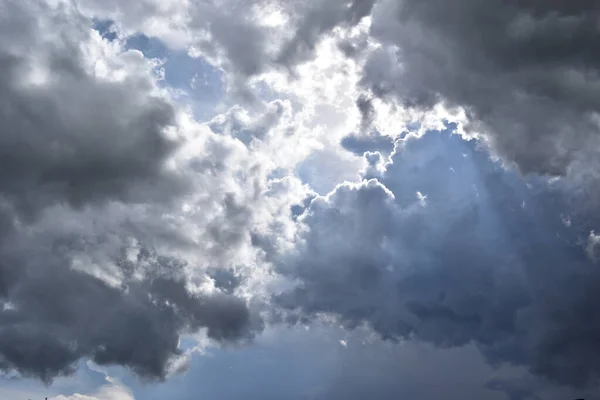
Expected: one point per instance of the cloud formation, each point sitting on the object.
(525, 72)
(443, 245)
(66, 297)
(90, 154)
(57, 83)
(126, 223)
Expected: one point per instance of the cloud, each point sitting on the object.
(525, 72)
(107, 392)
(113, 390)
(59, 315)
(114, 205)
(125, 223)
(246, 39)
(448, 247)
(56, 86)
(315, 20)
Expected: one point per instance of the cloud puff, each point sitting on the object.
(105, 393)
(448, 247)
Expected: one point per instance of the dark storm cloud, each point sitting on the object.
(450, 248)
(54, 315)
(526, 72)
(71, 136)
(74, 143)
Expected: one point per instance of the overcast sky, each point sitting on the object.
(299, 199)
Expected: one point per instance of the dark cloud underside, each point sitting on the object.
(526, 72)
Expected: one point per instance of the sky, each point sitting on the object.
(299, 199)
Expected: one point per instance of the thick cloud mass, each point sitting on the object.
(55, 311)
(526, 72)
(83, 176)
(69, 132)
(66, 297)
(126, 223)
(444, 245)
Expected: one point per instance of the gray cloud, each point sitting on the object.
(232, 34)
(525, 72)
(450, 248)
(316, 19)
(83, 173)
(69, 135)
(53, 314)
(367, 111)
